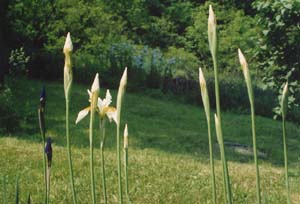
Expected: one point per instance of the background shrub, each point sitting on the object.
(9, 118)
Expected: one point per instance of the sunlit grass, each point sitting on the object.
(168, 155)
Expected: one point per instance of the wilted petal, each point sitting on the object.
(82, 114)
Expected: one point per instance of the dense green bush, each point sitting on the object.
(9, 118)
(279, 49)
(236, 30)
(233, 94)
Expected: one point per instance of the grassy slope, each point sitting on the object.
(168, 151)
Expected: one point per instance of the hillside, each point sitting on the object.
(168, 150)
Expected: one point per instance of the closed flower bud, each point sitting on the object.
(212, 32)
(68, 47)
(204, 93)
(284, 100)
(126, 137)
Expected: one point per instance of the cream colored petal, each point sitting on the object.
(107, 98)
(100, 104)
(68, 47)
(111, 113)
(96, 86)
(82, 114)
(90, 94)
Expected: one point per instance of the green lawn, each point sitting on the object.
(168, 152)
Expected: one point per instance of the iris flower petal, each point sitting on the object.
(82, 114)
(111, 113)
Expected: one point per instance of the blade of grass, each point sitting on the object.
(17, 191)
(4, 190)
(28, 199)
(205, 100)
(247, 77)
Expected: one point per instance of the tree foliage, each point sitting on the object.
(279, 48)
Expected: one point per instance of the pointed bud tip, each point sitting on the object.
(123, 81)
(96, 86)
(242, 58)
(126, 136)
(201, 77)
(211, 16)
(68, 47)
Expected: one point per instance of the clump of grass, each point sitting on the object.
(213, 46)
(284, 107)
(205, 100)
(68, 79)
(41, 114)
(247, 77)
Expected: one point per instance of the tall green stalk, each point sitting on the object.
(205, 100)
(227, 192)
(284, 104)
(121, 92)
(48, 153)
(41, 114)
(94, 98)
(68, 78)
(247, 77)
(102, 131)
(126, 162)
(213, 46)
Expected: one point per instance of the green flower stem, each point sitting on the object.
(126, 172)
(285, 161)
(213, 46)
(121, 91)
(102, 131)
(48, 184)
(206, 105)
(42, 129)
(225, 168)
(247, 76)
(212, 166)
(255, 153)
(69, 152)
(226, 180)
(92, 152)
(119, 165)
